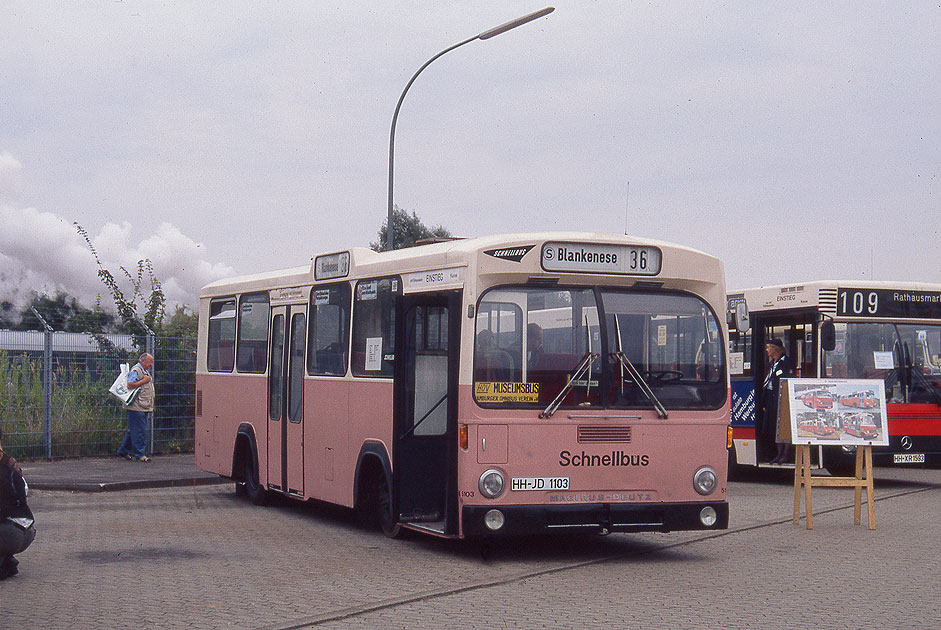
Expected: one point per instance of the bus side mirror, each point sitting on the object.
(742, 322)
(827, 336)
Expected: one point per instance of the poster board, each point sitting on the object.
(833, 411)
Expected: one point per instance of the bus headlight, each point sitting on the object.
(491, 484)
(705, 480)
(494, 520)
(708, 516)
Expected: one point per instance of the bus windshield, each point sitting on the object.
(905, 356)
(530, 342)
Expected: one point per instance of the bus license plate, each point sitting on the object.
(539, 483)
(908, 458)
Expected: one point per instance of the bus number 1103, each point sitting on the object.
(539, 483)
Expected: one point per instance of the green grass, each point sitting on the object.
(86, 420)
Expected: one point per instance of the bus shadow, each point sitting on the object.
(561, 548)
(899, 484)
(780, 476)
(882, 477)
(557, 548)
(328, 513)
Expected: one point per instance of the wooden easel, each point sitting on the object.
(802, 477)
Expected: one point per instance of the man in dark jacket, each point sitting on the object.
(16, 520)
(779, 366)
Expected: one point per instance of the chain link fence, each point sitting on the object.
(54, 399)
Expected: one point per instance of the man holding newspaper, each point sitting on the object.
(138, 377)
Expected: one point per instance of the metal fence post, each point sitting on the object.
(150, 415)
(46, 384)
(47, 393)
(55, 392)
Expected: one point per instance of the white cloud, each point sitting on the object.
(42, 252)
(10, 181)
(260, 131)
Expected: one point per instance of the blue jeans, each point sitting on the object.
(135, 438)
(14, 539)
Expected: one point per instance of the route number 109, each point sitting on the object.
(859, 303)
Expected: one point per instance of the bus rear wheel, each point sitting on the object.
(252, 488)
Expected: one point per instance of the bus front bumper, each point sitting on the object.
(595, 518)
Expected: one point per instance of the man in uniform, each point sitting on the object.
(779, 366)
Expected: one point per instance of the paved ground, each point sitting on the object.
(197, 556)
(103, 474)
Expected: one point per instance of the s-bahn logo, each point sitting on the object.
(514, 254)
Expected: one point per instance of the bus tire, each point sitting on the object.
(253, 489)
(387, 522)
(736, 470)
(839, 463)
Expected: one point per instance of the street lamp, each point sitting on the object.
(493, 32)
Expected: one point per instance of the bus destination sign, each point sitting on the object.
(901, 303)
(332, 266)
(633, 260)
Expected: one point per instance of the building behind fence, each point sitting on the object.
(54, 399)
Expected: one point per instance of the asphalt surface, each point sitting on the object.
(103, 474)
(202, 557)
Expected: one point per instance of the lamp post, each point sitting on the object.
(493, 32)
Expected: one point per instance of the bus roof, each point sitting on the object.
(919, 300)
(364, 262)
(816, 285)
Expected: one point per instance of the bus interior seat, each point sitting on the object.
(329, 361)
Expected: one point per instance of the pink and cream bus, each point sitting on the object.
(504, 385)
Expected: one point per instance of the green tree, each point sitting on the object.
(63, 313)
(406, 230)
(8, 316)
(153, 306)
(183, 323)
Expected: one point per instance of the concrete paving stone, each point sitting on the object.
(102, 474)
(200, 557)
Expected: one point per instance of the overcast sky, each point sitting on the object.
(796, 141)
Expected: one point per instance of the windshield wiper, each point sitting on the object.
(641, 383)
(583, 366)
(617, 330)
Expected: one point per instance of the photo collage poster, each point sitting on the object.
(837, 411)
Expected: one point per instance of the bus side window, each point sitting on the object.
(329, 337)
(252, 350)
(221, 350)
(373, 349)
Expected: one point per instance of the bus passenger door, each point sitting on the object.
(286, 399)
(294, 397)
(276, 429)
(425, 411)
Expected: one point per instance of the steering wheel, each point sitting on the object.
(665, 376)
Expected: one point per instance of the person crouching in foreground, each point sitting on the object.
(17, 529)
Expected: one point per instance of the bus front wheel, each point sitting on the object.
(838, 462)
(387, 521)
